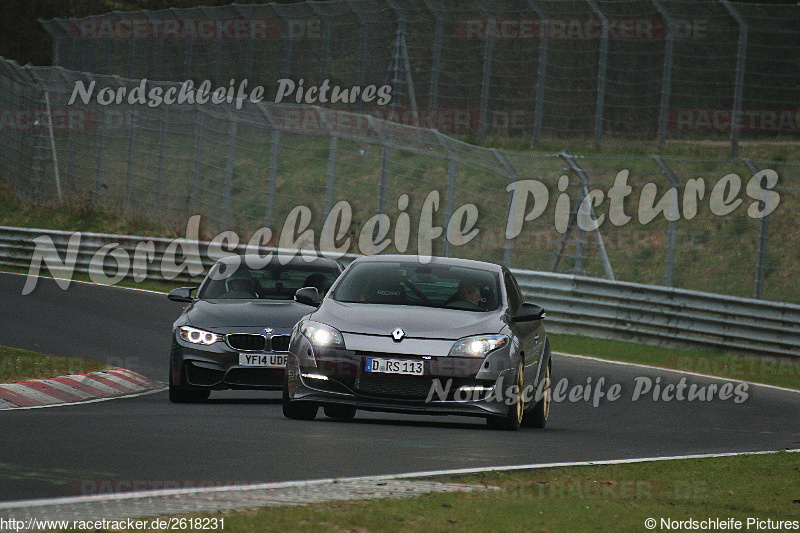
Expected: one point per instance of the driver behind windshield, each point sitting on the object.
(468, 292)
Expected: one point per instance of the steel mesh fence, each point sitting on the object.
(292, 168)
(665, 69)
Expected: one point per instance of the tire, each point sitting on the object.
(297, 410)
(513, 419)
(339, 412)
(539, 413)
(178, 395)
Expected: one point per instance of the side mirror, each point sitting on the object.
(308, 296)
(181, 294)
(528, 313)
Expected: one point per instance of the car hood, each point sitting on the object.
(416, 322)
(237, 313)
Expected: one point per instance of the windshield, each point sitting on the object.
(274, 282)
(400, 283)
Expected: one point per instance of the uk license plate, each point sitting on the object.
(262, 360)
(394, 366)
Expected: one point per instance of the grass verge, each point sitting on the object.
(20, 365)
(599, 498)
(778, 371)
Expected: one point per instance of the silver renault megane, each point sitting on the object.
(450, 336)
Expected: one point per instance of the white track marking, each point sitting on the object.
(674, 371)
(286, 484)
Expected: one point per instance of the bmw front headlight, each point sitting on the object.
(198, 336)
(478, 346)
(321, 335)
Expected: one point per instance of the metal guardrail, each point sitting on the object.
(575, 304)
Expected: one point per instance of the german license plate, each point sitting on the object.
(262, 360)
(394, 366)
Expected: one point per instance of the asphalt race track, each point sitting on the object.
(146, 442)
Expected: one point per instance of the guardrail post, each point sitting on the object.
(763, 238)
(602, 67)
(666, 74)
(672, 228)
(508, 244)
(741, 64)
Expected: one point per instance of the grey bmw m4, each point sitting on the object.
(446, 337)
(234, 333)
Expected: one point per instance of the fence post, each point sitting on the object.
(132, 55)
(602, 66)
(226, 193)
(101, 151)
(326, 39)
(51, 135)
(401, 56)
(272, 178)
(488, 58)
(436, 60)
(580, 258)
(508, 244)
(286, 71)
(741, 63)
(541, 71)
(384, 178)
(450, 192)
(132, 127)
(40, 148)
(362, 49)
(248, 70)
(331, 184)
(162, 153)
(666, 74)
(199, 125)
(763, 238)
(672, 228)
(159, 51)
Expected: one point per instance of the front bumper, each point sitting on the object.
(217, 367)
(450, 385)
